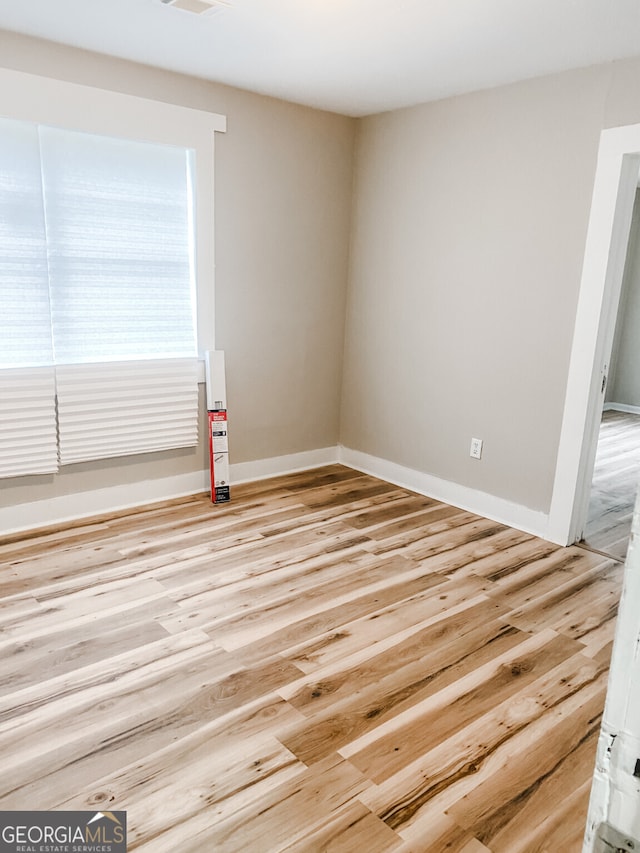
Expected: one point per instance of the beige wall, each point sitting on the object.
(283, 203)
(463, 248)
(469, 228)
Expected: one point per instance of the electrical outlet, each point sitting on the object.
(476, 448)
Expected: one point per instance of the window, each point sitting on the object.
(97, 297)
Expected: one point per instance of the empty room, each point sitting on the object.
(388, 245)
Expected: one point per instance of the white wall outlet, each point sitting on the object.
(476, 448)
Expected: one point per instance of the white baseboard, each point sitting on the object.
(480, 503)
(621, 407)
(66, 508)
(261, 469)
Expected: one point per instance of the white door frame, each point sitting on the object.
(614, 189)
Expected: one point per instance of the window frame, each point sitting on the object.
(73, 106)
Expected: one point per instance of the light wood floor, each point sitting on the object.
(615, 484)
(327, 663)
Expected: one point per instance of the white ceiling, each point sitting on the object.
(350, 56)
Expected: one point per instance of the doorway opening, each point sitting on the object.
(614, 193)
(614, 485)
(617, 463)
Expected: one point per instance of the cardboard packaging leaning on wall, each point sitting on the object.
(219, 456)
(217, 425)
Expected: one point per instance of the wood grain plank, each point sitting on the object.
(457, 766)
(326, 663)
(434, 598)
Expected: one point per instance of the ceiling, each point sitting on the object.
(354, 57)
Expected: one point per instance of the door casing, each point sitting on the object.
(613, 197)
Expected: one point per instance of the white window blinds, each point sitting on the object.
(27, 422)
(28, 441)
(24, 284)
(119, 227)
(117, 409)
(96, 272)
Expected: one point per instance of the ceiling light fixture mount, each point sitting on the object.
(198, 7)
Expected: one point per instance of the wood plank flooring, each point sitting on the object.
(615, 484)
(327, 663)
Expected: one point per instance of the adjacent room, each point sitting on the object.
(410, 229)
(617, 466)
